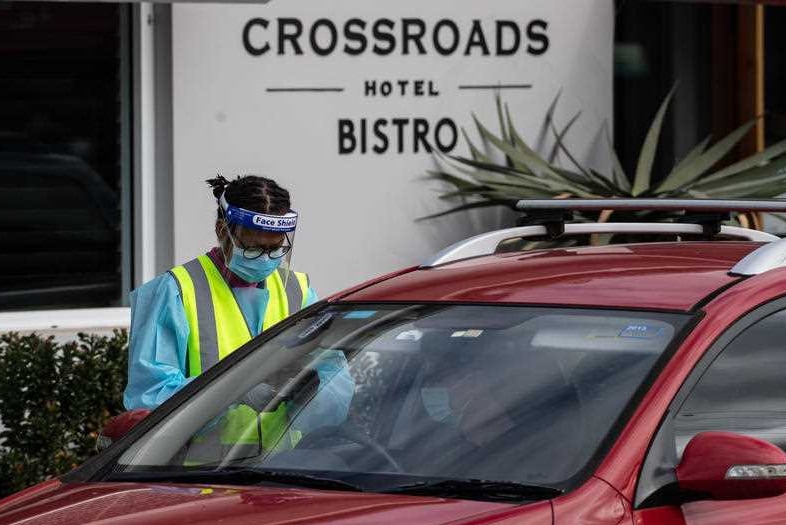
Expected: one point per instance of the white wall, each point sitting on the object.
(358, 211)
(64, 325)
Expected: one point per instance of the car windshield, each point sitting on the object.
(407, 397)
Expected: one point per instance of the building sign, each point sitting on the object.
(347, 104)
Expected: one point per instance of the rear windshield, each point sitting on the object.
(509, 393)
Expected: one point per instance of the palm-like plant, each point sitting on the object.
(522, 173)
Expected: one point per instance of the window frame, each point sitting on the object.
(147, 233)
(656, 475)
(96, 468)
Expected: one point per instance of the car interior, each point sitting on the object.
(512, 400)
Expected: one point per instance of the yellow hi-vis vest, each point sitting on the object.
(217, 327)
(216, 324)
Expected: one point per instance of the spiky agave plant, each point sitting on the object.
(523, 173)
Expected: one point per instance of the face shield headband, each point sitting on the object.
(258, 221)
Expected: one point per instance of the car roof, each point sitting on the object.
(661, 276)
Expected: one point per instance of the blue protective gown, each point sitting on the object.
(158, 347)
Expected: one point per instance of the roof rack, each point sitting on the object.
(487, 243)
(548, 217)
(688, 205)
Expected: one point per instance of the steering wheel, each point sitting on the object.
(350, 434)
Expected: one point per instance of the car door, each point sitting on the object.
(739, 387)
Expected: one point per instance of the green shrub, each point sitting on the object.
(54, 399)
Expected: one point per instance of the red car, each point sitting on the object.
(627, 383)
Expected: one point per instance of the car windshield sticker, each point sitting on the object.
(467, 333)
(409, 335)
(599, 333)
(641, 331)
(360, 314)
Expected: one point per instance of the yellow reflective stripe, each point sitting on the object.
(189, 306)
(302, 280)
(276, 309)
(231, 329)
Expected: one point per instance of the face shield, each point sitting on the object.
(262, 241)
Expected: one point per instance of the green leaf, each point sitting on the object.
(502, 143)
(755, 181)
(553, 187)
(766, 188)
(465, 193)
(485, 184)
(503, 127)
(449, 178)
(487, 194)
(572, 176)
(462, 165)
(774, 167)
(708, 159)
(474, 151)
(762, 191)
(507, 172)
(518, 142)
(524, 190)
(619, 175)
(641, 182)
(523, 154)
(684, 165)
(547, 120)
(610, 188)
(560, 145)
(696, 194)
(753, 161)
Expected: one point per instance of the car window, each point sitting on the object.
(743, 390)
(509, 393)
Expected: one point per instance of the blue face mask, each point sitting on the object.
(252, 270)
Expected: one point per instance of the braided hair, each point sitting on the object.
(251, 192)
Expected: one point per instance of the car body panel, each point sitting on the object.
(594, 503)
(663, 276)
(659, 515)
(21, 498)
(622, 463)
(690, 277)
(142, 503)
(764, 511)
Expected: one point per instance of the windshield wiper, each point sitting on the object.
(477, 489)
(237, 476)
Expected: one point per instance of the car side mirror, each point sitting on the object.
(723, 465)
(119, 426)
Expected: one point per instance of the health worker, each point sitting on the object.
(186, 320)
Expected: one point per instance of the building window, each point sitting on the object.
(775, 74)
(728, 61)
(64, 144)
